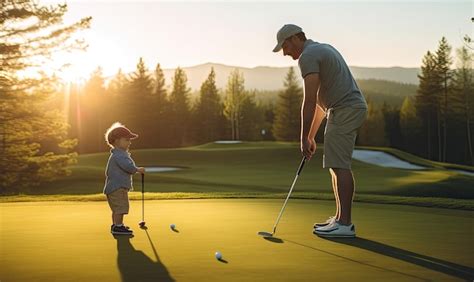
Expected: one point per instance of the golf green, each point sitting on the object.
(71, 241)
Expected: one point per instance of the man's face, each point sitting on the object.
(291, 47)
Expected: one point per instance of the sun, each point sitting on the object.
(77, 65)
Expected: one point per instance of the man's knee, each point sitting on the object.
(340, 171)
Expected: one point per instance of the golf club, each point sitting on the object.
(268, 234)
(142, 223)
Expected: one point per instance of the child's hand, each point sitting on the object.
(141, 170)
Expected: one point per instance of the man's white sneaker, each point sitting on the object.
(335, 229)
(327, 222)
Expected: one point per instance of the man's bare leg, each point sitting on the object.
(345, 191)
(336, 196)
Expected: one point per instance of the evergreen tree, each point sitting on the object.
(30, 35)
(94, 110)
(235, 96)
(118, 84)
(180, 109)
(161, 111)
(443, 65)
(252, 119)
(372, 132)
(138, 108)
(410, 126)
(209, 111)
(392, 126)
(286, 126)
(427, 100)
(463, 88)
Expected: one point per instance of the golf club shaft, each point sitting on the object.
(289, 193)
(143, 197)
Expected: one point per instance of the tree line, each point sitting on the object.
(44, 126)
(435, 123)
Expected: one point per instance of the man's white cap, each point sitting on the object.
(285, 32)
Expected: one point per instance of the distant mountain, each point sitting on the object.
(271, 78)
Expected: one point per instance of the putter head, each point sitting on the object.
(142, 224)
(265, 234)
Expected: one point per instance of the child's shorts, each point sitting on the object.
(118, 201)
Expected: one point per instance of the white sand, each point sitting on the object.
(383, 159)
(228, 142)
(161, 169)
(387, 160)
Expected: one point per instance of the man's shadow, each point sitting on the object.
(135, 265)
(432, 263)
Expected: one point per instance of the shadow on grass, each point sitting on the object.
(274, 240)
(134, 265)
(456, 187)
(361, 262)
(432, 263)
(223, 260)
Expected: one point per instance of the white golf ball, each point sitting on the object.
(218, 255)
(172, 226)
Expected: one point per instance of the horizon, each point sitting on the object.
(168, 32)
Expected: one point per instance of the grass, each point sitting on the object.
(261, 169)
(60, 240)
(364, 198)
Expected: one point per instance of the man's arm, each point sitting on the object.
(311, 113)
(318, 119)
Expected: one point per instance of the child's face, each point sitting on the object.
(123, 143)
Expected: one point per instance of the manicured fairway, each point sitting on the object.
(259, 167)
(70, 241)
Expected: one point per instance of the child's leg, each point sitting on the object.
(117, 218)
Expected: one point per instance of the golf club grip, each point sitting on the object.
(143, 182)
(303, 161)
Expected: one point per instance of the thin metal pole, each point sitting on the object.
(289, 193)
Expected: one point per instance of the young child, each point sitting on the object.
(119, 171)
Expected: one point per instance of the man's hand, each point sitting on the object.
(308, 148)
(141, 170)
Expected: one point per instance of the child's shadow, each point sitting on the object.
(136, 266)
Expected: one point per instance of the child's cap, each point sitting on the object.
(118, 132)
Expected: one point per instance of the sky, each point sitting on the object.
(367, 33)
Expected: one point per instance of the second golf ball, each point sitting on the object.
(218, 255)
(172, 226)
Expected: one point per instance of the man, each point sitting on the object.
(331, 92)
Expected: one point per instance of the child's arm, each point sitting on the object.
(126, 163)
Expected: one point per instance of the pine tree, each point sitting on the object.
(180, 109)
(372, 132)
(427, 99)
(286, 126)
(234, 98)
(410, 125)
(443, 63)
(161, 110)
(159, 88)
(392, 125)
(138, 105)
(94, 114)
(463, 88)
(118, 84)
(252, 118)
(30, 35)
(209, 111)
